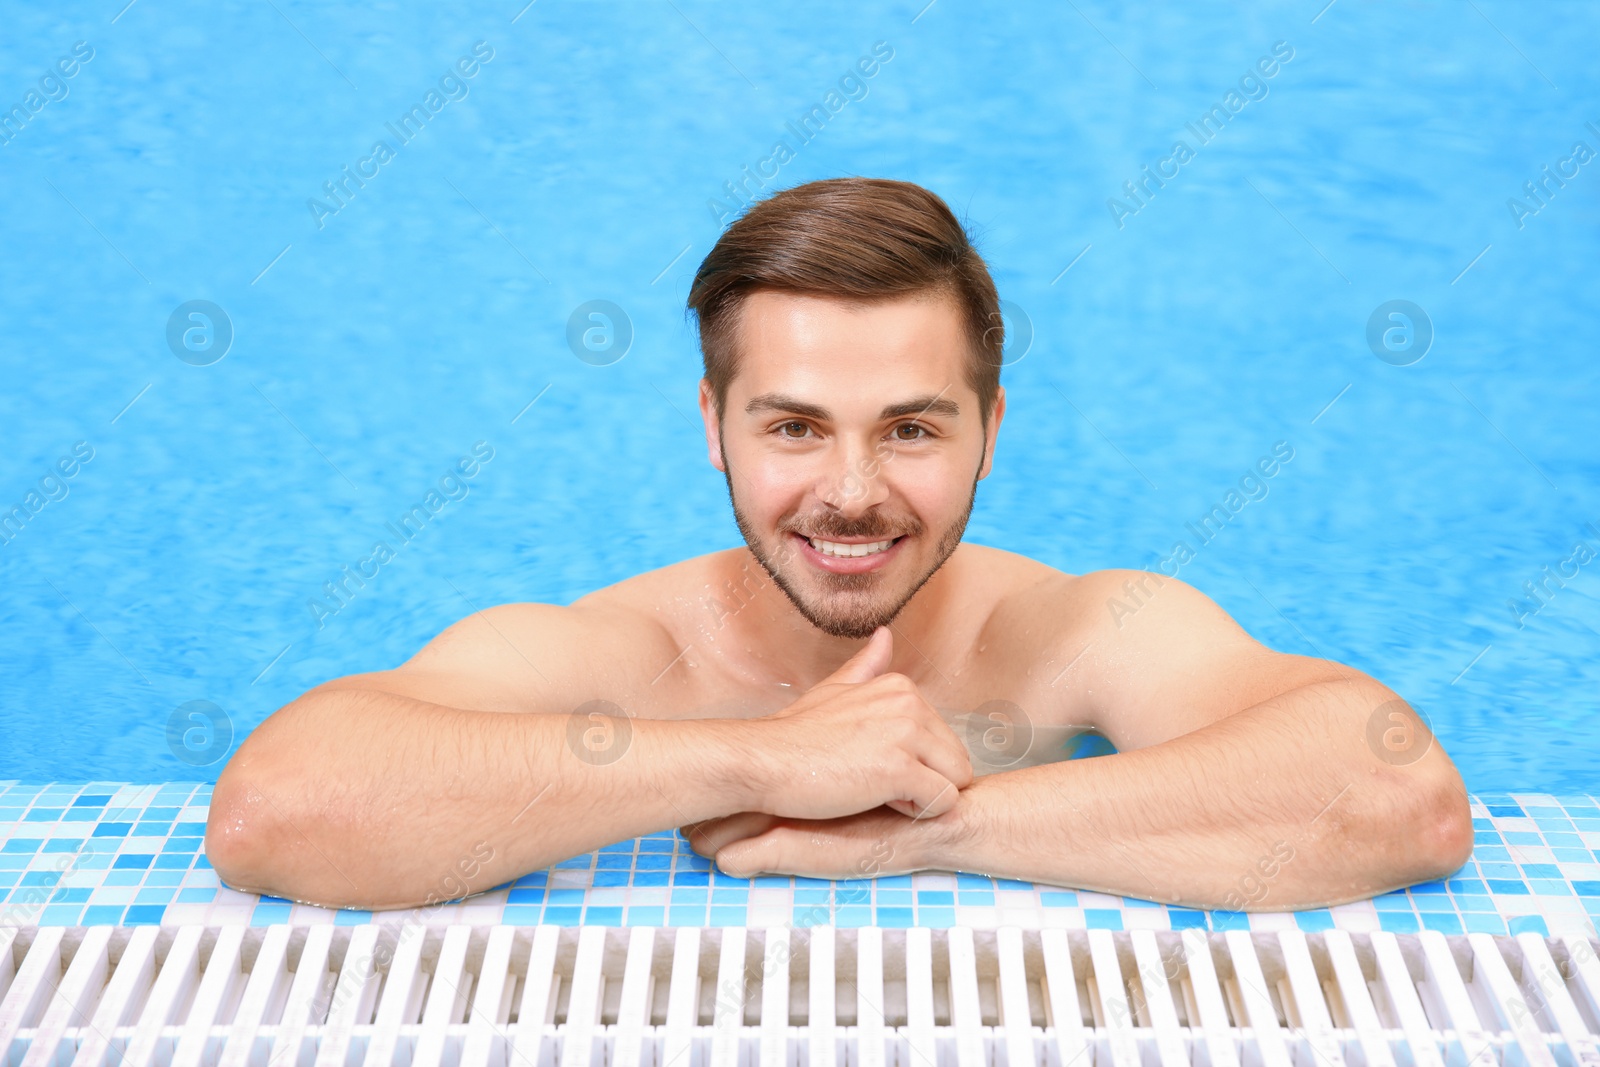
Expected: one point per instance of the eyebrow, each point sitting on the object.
(935, 405)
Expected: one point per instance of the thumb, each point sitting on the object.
(871, 661)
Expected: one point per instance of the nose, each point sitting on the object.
(854, 483)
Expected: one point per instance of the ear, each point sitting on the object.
(708, 415)
(993, 431)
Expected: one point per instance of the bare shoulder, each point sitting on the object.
(535, 657)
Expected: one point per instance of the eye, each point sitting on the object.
(916, 433)
(794, 429)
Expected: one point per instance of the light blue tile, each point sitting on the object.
(938, 918)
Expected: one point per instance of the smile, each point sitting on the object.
(841, 550)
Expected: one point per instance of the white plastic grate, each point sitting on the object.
(319, 996)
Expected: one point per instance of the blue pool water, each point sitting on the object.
(374, 345)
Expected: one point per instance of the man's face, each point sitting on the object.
(852, 445)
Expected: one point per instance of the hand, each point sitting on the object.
(857, 740)
(865, 845)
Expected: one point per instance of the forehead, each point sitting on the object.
(817, 347)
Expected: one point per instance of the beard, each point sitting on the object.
(851, 605)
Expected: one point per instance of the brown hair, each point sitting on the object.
(856, 239)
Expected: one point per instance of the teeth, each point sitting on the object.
(834, 548)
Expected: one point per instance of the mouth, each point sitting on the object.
(848, 557)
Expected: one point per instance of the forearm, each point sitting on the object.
(367, 799)
(1281, 806)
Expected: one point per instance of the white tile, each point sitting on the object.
(1145, 919)
(979, 918)
(1272, 920)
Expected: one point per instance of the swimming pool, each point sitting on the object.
(393, 313)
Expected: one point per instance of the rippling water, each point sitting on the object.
(379, 333)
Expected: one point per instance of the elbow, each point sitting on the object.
(1445, 826)
(241, 828)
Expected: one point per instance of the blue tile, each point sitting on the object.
(28, 845)
(268, 898)
(1009, 883)
(70, 896)
(1522, 837)
(1459, 886)
(1500, 870)
(1550, 887)
(1482, 824)
(522, 915)
(102, 915)
(1053, 899)
(1507, 888)
(1398, 923)
(897, 881)
(937, 918)
(610, 878)
(646, 915)
(800, 881)
(811, 896)
(608, 862)
(133, 861)
(525, 896)
(44, 815)
(1103, 918)
(577, 863)
(1229, 920)
(698, 897)
(1540, 870)
(741, 897)
(112, 829)
(352, 917)
(1483, 922)
(691, 878)
(1433, 904)
(150, 914)
(97, 800)
(564, 916)
(853, 917)
(183, 844)
(894, 898)
(1396, 901)
(646, 862)
(893, 918)
(651, 878)
(935, 897)
(196, 895)
(1559, 840)
(1492, 854)
(1524, 924)
(602, 916)
(122, 878)
(41, 878)
(173, 861)
(1572, 855)
(1485, 837)
(61, 915)
(171, 878)
(1586, 889)
(1313, 921)
(1428, 887)
(1505, 810)
(63, 844)
(974, 881)
(1185, 919)
(1444, 922)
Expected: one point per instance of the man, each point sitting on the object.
(855, 692)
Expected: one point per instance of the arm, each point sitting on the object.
(398, 787)
(414, 785)
(1244, 778)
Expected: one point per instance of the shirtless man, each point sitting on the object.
(855, 692)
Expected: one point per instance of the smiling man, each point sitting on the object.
(854, 691)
